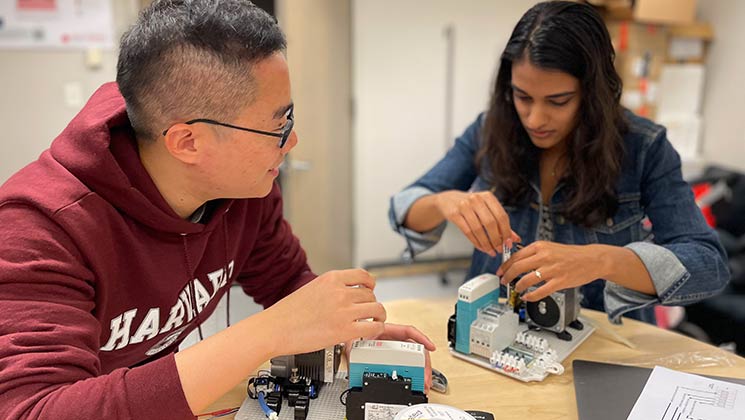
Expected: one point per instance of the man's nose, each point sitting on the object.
(291, 143)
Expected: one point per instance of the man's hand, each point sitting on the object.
(397, 332)
(333, 308)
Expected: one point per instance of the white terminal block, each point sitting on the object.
(493, 330)
(383, 352)
(532, 342)
(478, 287)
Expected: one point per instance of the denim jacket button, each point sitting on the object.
(609, 222)
(560, 220)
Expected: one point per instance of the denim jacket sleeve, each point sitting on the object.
(685, 260)
(455, 171)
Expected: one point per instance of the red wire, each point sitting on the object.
(218, 412)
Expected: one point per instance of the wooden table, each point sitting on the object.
(473, 387)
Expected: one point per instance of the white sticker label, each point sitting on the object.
(432, 412)
(377, 411)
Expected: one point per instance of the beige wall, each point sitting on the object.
(404, 122)
(34, 106)
(724, 101)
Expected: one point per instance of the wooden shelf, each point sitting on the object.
(701, 30)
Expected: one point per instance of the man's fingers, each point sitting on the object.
(407, 333)
(370, 310)
(418, 336)
(360, 295)
(427, 372)
(368, 329)
(358, 277)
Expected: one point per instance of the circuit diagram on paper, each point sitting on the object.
(691, 403)
(673, 395)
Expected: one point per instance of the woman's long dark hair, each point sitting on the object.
(572, 38)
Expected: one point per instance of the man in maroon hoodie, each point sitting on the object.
(124, 235)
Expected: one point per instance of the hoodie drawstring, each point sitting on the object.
(227, 273)
(192, 292)
(190, 272)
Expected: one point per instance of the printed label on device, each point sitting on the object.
(377, 411)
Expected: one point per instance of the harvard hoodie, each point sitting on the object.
(100, 280)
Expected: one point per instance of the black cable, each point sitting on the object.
(262, 374)
(248, 389)
(344, 401)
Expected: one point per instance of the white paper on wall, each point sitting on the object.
(686, 48)
(56, 24)
(681, 89)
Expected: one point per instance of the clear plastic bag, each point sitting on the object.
(682, 360)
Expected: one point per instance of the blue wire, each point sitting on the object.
(265, 408)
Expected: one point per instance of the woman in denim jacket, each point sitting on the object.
(558, 164)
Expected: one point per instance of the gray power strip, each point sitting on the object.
(326, 407)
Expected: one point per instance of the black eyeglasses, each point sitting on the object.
(283, 135)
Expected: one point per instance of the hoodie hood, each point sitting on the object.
(104, 280)
(99, 148)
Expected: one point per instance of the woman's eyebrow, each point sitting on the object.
(552, 96)
(514, 87)
(559, 95)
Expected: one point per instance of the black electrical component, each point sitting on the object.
(292, 396)
(452, 327)
(480, 415)
(274, 401)
(302, 403)
(297, 390)
(295, 387)
(381, 388)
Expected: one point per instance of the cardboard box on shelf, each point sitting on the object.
(614, 9)
(665, 11)
(648, 11)
(642, 51)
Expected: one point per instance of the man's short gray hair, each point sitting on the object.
(186, 59)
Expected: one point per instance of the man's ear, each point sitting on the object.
(183, 142)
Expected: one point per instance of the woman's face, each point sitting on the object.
(547, 102)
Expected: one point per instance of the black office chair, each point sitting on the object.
(721, 319)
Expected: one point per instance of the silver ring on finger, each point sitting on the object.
(538, 274)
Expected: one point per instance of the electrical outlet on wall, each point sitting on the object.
(73, 94)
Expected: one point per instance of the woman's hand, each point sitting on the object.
(559, 266)
(480, 217)
(397, 332)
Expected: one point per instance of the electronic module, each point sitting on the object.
(524, 340)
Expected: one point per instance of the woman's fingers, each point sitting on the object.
(483, 220)
(501, 219)
(464, 227)
(491, 227)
